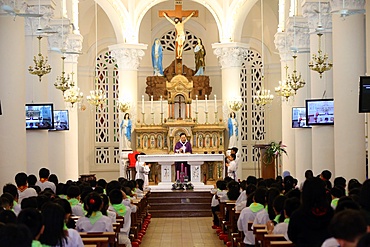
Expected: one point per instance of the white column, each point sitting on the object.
(128, 58)
(349, 65)
(13, 154)
(231, 57)
(322, 136)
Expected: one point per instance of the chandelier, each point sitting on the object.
(40, 68)
(263, 97)
(319, 63)
(235, 104)
(62, 82)
(295, 80)
(73, 95)
(97, 97)
(284, 90)
(123, 106)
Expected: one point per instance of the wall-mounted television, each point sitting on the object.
(364, 94)
(299, 117)
(320, 111)
(39, 116)
(61, 120)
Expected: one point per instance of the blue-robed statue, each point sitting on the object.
(232, 125)
(125, 132)
(157, 56)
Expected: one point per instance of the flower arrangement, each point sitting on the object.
(273, 150)
(182, 186)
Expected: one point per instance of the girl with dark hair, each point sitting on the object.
(308, 226)
(94, 221)
(55, 233)
(105, 211)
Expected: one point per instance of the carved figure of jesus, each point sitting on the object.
(180, 32)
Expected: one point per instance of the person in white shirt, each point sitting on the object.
(231, 166)
(139, 167)
(219, 192)
(73, 197)
(22, 186)
(43, 183)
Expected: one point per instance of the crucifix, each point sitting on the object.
(178, 13)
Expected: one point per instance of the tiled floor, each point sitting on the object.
(181, 232)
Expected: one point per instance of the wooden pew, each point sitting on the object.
(272, 237)
(259, 236)
(111, 236)
(99, 242)
(281, 244)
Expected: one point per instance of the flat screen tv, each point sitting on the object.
(61, 120)
(299, 117)
(320, 111)
(39, 116)
(364, 94)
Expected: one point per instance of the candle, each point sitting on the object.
(161, 104)
(186, 171)
(151, 104)
(215, 103)
(182, 167)
(206, 110)
(142, 103)
(178, 175)
(196, 103)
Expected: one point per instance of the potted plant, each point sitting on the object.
(273, 150)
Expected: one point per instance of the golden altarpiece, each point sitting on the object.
(180, 91)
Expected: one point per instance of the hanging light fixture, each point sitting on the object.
(41, 67)
(263, 96)
(320, 61)
(345, 11)
(295, 80)
(97, 96)
(62, 82)
(284, 90)
(73, 95)
(123, 106)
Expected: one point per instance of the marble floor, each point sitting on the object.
(181, 232)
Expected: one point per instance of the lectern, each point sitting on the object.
(265, 169)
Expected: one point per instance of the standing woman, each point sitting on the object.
(200, 54)
(232, 124)
(125, 132)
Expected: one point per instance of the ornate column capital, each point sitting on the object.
(45, 7)
(230, 54)
(317, 14)
(128, 56)
(283, 43)
(298, 34)
(347, 7)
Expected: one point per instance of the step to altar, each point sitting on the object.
(180, 203)
(167, 186)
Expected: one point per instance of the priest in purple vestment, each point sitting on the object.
(183, 146)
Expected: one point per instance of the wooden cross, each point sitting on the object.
(178, 13)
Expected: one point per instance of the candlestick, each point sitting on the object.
(151, 104)
(143, 118)
(142, 103)
(196, 103)
(186, 171)
(161, 104)
(206, 108)
(178, 175)
(152, 118)
(207, 117)
(215, 103)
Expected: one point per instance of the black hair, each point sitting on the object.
(271, 194)
(308, 174)
(140, 184)
(346, 202)
(290, 205)
(21, 179)
(127, 191)
(233, 156)
(250, 189)
(53, 215)
(314, 197)
(365, 195)
(32, 218)
(8, 216)
(44, 173)
(243, 185)
(353, 183)
(42, 200)
(364, 240)
(340, 181)
(326, 174)
(337, 192)
(92, 203)
(9, 197)
(73, 191)
(54, 179)
(233, 190)
(61, 189)
(221, 184)
(15, 235)
(4, 203)
(113, 185)
(102, 183)
(251, 180)
(288, 183)
(278, 205)
(182, 133)
(29, 202)
(115, 197)
(31, 179)
(99, 190)
(105, 201)
(11, 189)
(260, 195)
(235, 149)
(348, 225)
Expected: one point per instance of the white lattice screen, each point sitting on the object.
(106, 118)
(168, 41)
(253, 117)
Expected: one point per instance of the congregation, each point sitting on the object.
(46, 212)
